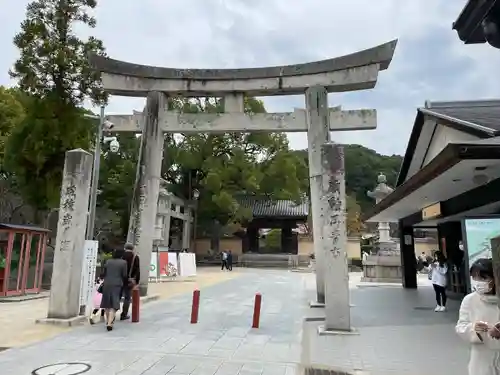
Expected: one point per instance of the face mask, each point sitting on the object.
(461, 247)
(482, 287)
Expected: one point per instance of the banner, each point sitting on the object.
(153, 267)
(87, 280)
(168, 264)
(478, 233)
(187, 264)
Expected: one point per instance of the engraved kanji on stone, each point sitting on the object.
(65, 245)
(69, 204)
(66, 220)
(71, 191)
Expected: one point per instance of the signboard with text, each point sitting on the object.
(477, 234)
(87, 282)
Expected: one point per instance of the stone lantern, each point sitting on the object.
(381, 191)
(385, 266)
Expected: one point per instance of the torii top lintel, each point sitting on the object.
(357, 71)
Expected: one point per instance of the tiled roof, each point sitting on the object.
(279, 208)
(484, 113)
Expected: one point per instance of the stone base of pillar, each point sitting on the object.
(70, 322)
(322, 331)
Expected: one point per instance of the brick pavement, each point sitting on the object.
(395, 337)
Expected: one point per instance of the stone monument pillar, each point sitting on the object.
(334, 239)
(385, 265)
(64, 302)
(318, 133)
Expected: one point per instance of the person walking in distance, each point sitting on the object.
(224, 260)
(134, 277)
(439, 279)
(229, 260)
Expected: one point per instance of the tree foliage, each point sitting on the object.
(224, 166)
(11, 114)
(54, 74)
(53, 59)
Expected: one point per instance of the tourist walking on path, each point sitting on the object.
(114, 275)
(229, 260)
(224, 260)
(134, 276)
(439, 279)
(478, 322)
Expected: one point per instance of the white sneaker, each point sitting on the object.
(438, 308)
(443, 309)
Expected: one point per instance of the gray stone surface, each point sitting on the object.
(317, 134)
(399, 334)
(222, 343)
(142, 221)
(381, 54)
(64, 301)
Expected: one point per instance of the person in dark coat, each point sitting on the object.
(114, 276)
(133, 276)
(229, 264)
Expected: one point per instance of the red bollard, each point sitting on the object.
(136, 302)
(256, 310)
(195, 308)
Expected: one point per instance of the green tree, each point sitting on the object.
(116, 181)
(54, 72)
(354, 223)
(11, 115)
(224, 166)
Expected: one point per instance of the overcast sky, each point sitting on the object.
(430, 62)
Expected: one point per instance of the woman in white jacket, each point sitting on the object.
(478, 322)
(439, 270)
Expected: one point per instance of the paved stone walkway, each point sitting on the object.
(165, 342)
(17, 319)
(399, 334)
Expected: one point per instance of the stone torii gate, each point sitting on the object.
(357, 71)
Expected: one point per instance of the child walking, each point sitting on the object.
(96, 302)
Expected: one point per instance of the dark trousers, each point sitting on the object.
(440, 294)
(127, 297)
(224, 264)
(230, 265)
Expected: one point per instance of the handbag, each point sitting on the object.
(131, 280)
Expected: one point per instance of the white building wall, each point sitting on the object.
(442, 136)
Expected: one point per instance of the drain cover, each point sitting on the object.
(71, 368)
